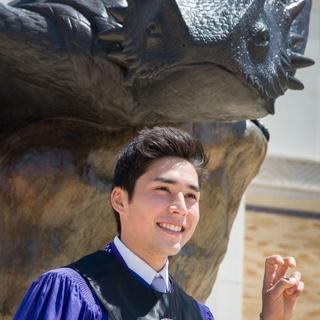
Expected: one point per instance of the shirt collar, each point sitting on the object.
(139, 266)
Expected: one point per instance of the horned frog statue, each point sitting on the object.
(131, 63)
(79, 77)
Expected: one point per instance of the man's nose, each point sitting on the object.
(178, 204)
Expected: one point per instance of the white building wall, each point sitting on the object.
(225, 300)
(295, 127)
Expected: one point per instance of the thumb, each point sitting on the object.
(282, 285)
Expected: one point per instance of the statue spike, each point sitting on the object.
(136, 65)
(118, 13)
(294, 9)
(300, 61)
(295, 37)
(119, 58)
(270, 106)
(278, 87)
(132, 57)
(257, 7)
(286, 63)
(113, 35)
(251, 78)
(282, 73)
(294, 84)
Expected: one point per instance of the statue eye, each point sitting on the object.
(260, 42)
(262, 38)
(153, 29)
(153, 36)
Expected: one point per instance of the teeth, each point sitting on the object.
(170, 227)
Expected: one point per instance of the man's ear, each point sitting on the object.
(118, 199)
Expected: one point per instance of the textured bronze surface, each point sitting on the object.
(124, 63)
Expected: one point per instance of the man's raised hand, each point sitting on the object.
(280, 290)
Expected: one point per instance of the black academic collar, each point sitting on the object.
(125, 297)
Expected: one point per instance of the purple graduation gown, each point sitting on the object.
(63, 294)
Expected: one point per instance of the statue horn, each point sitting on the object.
(294, 84)
(118, 13)
(113, 35)
(299, 60)
(294, 9)
(255, 9)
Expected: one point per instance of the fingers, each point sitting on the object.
(280, 292)
(298, 288)
(275, 269)
(298, 291)
(291, 286)
(283, 284)
(289, 262)
(271, 267)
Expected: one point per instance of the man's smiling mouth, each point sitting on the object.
(171, 227)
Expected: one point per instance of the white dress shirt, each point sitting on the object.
(139, 266)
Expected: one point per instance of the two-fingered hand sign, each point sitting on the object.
(280, 289)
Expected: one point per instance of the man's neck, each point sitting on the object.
(139, 266)
(156, 262)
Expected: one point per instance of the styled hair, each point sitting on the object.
(151, 145)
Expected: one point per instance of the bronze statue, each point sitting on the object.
(148, 62)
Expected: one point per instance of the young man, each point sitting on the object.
(155, 197)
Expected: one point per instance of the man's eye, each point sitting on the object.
(162, 189)
(191, 196)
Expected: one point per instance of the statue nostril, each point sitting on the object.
(262, 38)
(153, 29)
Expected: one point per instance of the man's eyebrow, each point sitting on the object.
(171, 181)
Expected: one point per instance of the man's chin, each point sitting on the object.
(174, 250)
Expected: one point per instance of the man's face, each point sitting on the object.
(164, 210)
